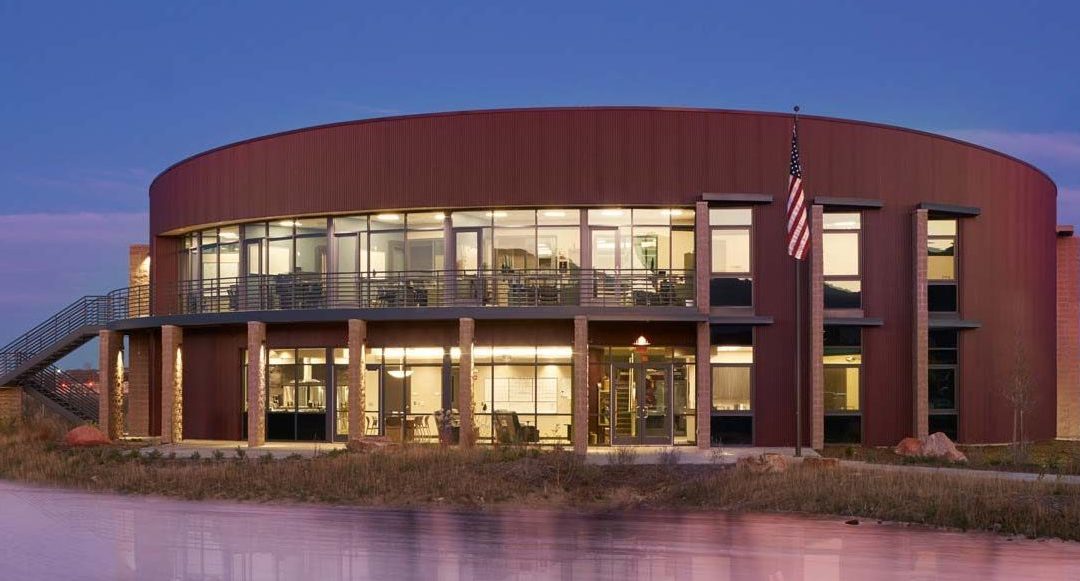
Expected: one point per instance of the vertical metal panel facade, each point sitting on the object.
(628, 156)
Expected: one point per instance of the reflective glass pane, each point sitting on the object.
(681, 216)
(426, 220)
(731, 388)
(387, 252)
(651, 216)
(310, 226)
(682, 249)
(842, 221)
(942, 388)
(425, 250)
(843, 294)
(310, 254)
(349, 224)
(346, 253)
(515, 248)
(651, 248)
(730, 216)
(840, 253)
(941, 259)
(229, 260)
(513, 218)
(558, 217)
(558, 248)
(841, 389)
(386, 221)
(609, 217)
(470, 219)
(731, 251)
(732, 354)
(281, 228)
(255, 231)
(731, 292)
(941, 298)
(604, 252)
(941, 227)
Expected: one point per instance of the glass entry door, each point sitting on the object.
(641, 403)
(470, 260)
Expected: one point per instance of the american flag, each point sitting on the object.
(798, 230)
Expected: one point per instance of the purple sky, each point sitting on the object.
(100, 97)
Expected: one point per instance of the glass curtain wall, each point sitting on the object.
(644, 253)
(643, 394)
(732, 361)
(522, 394)
(731, 283)
(842, 267)
(843, 373)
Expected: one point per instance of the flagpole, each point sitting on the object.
(798, 341)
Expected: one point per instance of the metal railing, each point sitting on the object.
(55, 332)
(66, 391)
(413, 289)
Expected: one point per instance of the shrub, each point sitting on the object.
(240, 453)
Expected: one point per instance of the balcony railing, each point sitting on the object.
(412, 289)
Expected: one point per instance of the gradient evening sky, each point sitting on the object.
(98, 97)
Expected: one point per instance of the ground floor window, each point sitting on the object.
(296, 388)
(732, 359)
(942, 376)
(522, 394)
(843, 378)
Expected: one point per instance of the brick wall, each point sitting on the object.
(140, 364)
(10, 403)
(1068, 335)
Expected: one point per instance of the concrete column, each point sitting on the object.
(256, 383)
(920, 342)
(702, 256)
(1068, 334)
(466, 333)
(579, 386)
(357, 388)
(172, 384)
(110, 378)
(704, 386)
(817, 330)
(140, 352)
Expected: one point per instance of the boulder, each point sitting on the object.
(936, 445)
(369, 444)
(820, 463)
(909, 447)
(769, 462)
(86, 436)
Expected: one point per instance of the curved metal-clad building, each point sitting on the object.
(601, 276)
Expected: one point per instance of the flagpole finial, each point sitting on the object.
(796, 108)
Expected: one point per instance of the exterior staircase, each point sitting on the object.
(28, 360)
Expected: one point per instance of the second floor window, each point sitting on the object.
(842, 268)
(731, 283)
(941, 266)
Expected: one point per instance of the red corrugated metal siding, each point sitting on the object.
(656, 156)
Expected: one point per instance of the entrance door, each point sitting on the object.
(469, 264)
(641, 403)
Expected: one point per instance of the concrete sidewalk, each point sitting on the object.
(965, 472)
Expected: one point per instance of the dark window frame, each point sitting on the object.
(747, 276)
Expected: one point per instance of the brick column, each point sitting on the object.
(817, 329)
(357, 388)
(920, 342)
(10, 403)
(702, 256)
(172, 384)
(140, 351)
(703, 378)
(466, 333)
(579, 386)
(256, 383)
(1068, 334)
(110, 377)
(139, 280)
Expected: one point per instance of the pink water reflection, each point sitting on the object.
(49, 534)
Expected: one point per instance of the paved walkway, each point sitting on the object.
(967, 472)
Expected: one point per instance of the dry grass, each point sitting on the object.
(488, 477)
(1051, 457)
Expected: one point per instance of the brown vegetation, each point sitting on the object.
(1050, 457)
(489, 477)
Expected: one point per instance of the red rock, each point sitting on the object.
(765, 463)
(909, 447)
(938, 445)
(86, 436)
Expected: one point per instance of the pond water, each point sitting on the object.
(53, 534)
